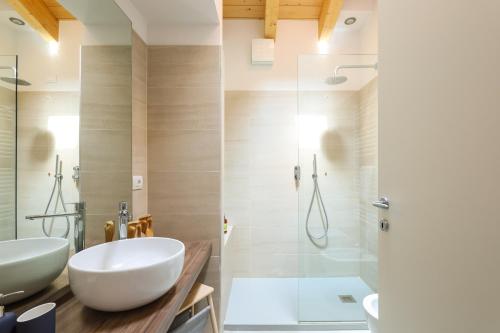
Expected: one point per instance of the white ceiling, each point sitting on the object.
(91, 12)
(161, 12)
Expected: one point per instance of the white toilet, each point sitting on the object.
(370, 304)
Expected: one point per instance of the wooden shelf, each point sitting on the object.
(155, 317)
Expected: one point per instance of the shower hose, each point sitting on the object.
(58, 177)
(321, 206)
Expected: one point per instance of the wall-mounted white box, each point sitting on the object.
(137, 183)
(262, 51)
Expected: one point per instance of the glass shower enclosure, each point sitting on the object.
(8, 106)
(337, 155)
(303, 253)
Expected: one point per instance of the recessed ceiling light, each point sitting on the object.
(16, 20)
(350, 20)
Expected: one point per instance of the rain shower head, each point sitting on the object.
(13, 80)
(339, 79)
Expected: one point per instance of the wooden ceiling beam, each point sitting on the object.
(38, 16)
(272, 9)
(247, 12)
(299, 12)
(58, 10)
(330, 11)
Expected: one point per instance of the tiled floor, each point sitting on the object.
(280, 303)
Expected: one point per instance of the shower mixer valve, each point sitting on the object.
(76, 174)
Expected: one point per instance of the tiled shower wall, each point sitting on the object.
(48, 124)
(261, 146)
(368, 169)
(261, 198)
(105, 134)
(7, 163)
(140, 123)
(185, 148)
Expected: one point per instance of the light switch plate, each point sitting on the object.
(137, 183)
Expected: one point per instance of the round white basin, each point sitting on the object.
(31, 264)
(125, 274)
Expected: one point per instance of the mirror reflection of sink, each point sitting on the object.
(125, 274)
(31, 264)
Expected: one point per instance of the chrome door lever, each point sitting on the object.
(381, 203)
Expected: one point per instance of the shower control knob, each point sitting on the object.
(383, 225)
(296, 173)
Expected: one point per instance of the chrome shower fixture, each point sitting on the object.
(58, 178)
(338, 79)
(15, 79)
(325, 223)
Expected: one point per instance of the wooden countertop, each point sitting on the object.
(155, 317)
(56, 290)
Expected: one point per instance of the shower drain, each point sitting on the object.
(347, 299)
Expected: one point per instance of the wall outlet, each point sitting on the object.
(137, 183)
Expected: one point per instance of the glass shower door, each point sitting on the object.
(8, 105)
(333, 237)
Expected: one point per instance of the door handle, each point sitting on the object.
(381, 203)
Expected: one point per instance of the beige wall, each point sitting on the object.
(48, 125)
(328, 127)
(140, 123)
(184, 146)
(259, 195)
(105, 134)
(7, 163)
(368, 182)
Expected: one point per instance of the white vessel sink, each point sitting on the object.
(125, 274)
(31, 264)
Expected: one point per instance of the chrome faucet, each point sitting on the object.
(123, 219)
(80, 217)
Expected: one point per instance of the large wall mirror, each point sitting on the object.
(65, 120)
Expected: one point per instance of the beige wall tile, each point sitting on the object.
(103, 190)
(38, 145)
(183, 96)
(105, 150)
(105, 133)
(187, 117)
(184, 146)
(105, 117)
(261, 145)
(140, 123)
(185, 192)
(189, 227)
(185, 150)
